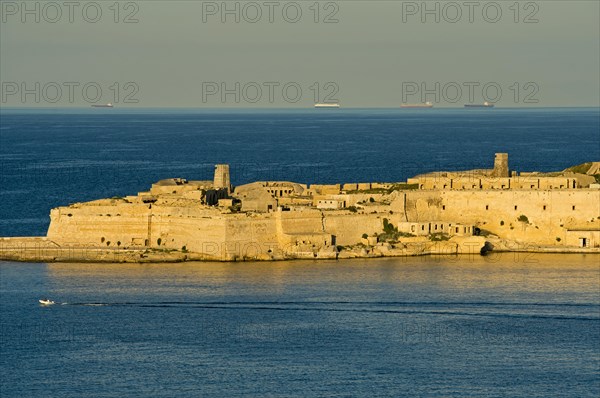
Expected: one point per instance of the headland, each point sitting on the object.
(465, 212)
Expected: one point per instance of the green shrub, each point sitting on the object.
(388, 227)
(353, 209)
(558, 239)
(523, 218)
(371, 200)
(365, 236)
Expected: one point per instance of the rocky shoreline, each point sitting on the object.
(43, 250)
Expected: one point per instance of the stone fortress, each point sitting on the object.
(474, 211)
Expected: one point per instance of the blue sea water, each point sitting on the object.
(514, 325)
(511, 326)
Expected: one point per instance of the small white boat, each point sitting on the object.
(46, 302)
(327, 105)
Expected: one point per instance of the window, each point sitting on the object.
(573, 207)
(515, 207)
(487, 207)
(444, 207)
(544, 207)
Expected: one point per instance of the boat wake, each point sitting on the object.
(457, 309)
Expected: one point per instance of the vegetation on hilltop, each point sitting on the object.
(589, 168)
(581, 168)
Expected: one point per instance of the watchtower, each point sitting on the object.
(221, 179)
(501, 166)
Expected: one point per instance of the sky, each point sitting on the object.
(277, 54)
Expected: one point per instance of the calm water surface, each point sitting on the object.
(508, 325)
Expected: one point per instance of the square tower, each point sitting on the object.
(501, 166)
(221, 179)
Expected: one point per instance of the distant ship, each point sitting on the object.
(327, 105)
(484, 105)
(423, 105)
(109, 105)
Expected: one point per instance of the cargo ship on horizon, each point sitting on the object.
(109, 105)
(484, 105)
(326, 105)
(422, 105)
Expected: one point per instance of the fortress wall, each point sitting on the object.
(558, 205)
(130, 224)
(125, 223)
(296, 222)
(204, 235)
(349, 228)
(250, 236)
(469, 207)
(418, 206)
(525, 182)
(274, 234)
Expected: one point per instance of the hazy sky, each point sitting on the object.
(377, 54)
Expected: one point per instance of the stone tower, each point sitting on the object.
(221, 179)
(501, 166)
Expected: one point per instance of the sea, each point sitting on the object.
(509, 324)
